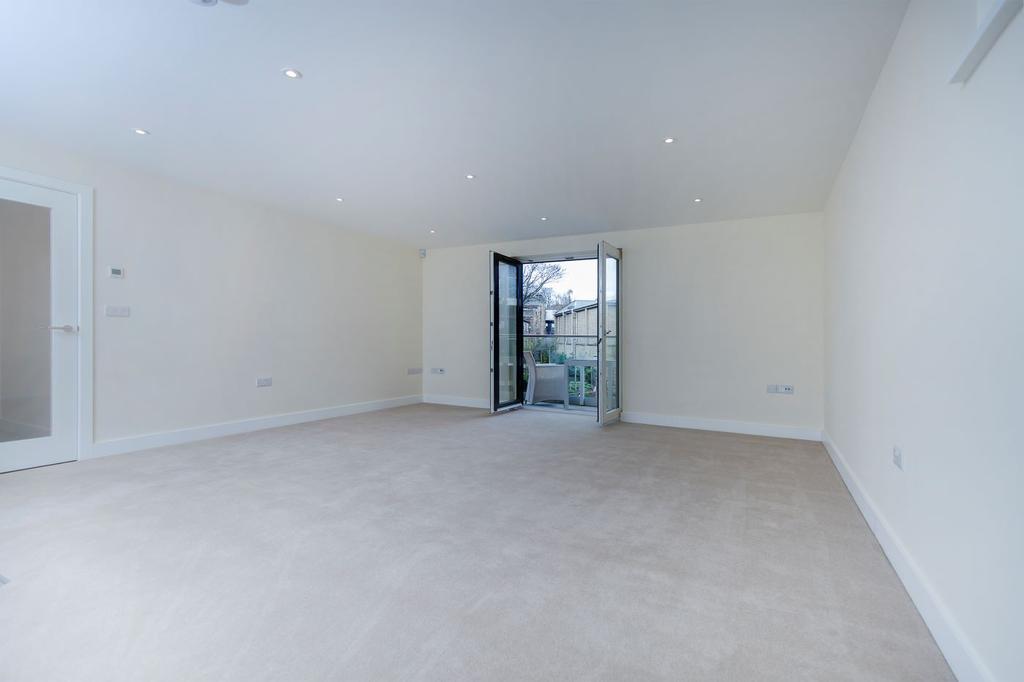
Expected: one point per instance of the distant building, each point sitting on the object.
(579, 318)
(576, 328)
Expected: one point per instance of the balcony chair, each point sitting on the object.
(547, 382)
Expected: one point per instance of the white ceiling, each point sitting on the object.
(559, 107)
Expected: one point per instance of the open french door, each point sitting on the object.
(508, 387)
(609, 270)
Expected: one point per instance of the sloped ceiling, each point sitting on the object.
(558, 108)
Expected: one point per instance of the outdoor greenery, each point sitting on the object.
(545, 350)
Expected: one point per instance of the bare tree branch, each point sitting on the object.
(536, 277)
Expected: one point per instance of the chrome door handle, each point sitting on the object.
(66, 328)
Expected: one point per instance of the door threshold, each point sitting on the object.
(576, 412)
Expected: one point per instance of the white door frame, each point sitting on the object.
(605, 251)
(84, 197)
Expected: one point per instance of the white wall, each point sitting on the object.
(711, 314)
(222, 291)
(24, 316)
(925, 330)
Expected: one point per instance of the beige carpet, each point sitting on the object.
(434, 543)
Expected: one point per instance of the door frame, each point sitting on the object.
(84, 200)
(496, 259)
(605, 251)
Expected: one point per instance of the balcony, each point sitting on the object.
(579, 354)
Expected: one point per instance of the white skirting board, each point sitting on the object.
(963, 658)
(155, 440)
(724, 425)
(456, 401)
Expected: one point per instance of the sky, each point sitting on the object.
(581, 277)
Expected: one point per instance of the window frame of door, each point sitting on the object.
(604, 252)
(84, 218)
(496, 405)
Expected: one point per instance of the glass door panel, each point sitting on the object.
(609, 261)
(506, 332)
(24, 319)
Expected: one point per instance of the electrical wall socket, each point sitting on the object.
(264, 382)
(897, 457)
(437, 370)
(118, 311)
(783, 389)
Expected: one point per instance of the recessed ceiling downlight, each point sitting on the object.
(211, 3)
(294, 74)
(433, 231)
(470, 176)
(140, 131)
(697, 200)
(339, 200)
(544, 218)
(669, 140)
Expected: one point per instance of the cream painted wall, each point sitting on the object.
(223, 291)
(712, 313)
(925, 328)
(24, 316)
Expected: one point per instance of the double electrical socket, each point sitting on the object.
(784, 389)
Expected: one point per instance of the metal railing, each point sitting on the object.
(578, 352)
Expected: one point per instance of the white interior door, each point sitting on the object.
(609, 271)
(38, 326)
